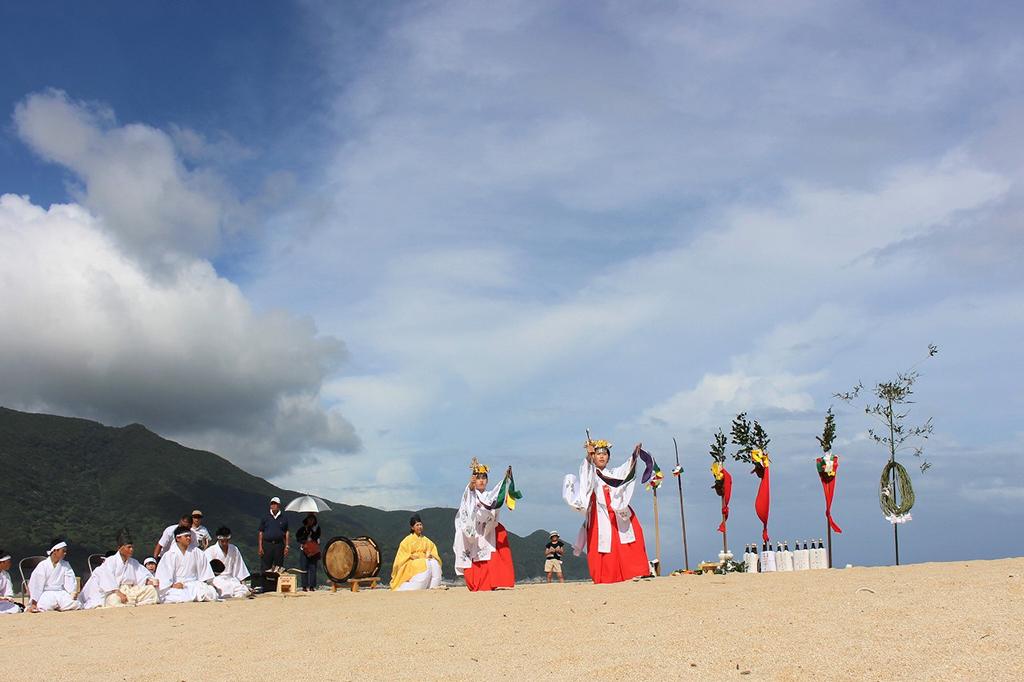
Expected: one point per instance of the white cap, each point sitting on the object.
(275, 499)
(149, 559)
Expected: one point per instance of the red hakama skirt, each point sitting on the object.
(497, 571)
(625, 561)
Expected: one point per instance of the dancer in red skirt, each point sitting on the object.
(482, 555)
(611, 532)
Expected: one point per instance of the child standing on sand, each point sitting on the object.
(553, 557)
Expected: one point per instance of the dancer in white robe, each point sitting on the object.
(120, 580)
(229, 581)
(51, 586)
(7, 603)
(482, 554)
(184, 572)
(611, 532)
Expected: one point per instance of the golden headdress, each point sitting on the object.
(598, 444)
(478, 468)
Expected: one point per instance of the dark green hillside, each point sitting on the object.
(83, 480)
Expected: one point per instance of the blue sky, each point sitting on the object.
(350, 247)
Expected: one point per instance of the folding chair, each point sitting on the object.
(94, 561)
(25, 568)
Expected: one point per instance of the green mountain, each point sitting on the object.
(82, 480)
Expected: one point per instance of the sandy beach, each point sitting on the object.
(928, 621)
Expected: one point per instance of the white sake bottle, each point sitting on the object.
(801, 562)
(750, 556)
(822, 554)
(767, 558)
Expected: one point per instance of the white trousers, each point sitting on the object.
(138, 595)
(426, 580)
(229, 586)
(57, 600)
(193, 591)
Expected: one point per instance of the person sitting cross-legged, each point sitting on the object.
(52, 584)
(417, 562)
(120, 580)
(7, 603)
(184, 572)
(233, 571)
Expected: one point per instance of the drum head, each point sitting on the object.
(339, 559)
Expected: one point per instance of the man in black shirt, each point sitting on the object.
(553, 557)
(272, 541)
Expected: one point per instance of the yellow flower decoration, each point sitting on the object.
(760, 457)
(599, 444)
(716, 471)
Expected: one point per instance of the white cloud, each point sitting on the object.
(719, 397)
(88, 332)
(131, 176)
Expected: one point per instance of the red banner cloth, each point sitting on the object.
(726, 494)
(764, 499)
(828, 485)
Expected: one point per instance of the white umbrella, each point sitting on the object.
(307, 503)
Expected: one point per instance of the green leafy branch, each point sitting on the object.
(748, 435)
(717, 451)
(828, 434)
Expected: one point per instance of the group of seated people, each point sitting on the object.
(184, 573)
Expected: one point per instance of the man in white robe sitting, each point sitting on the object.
(52, 584)
(228, 580)
(120, 580)
(184, 573)
(7, 603)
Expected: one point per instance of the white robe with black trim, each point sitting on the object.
(577, 494)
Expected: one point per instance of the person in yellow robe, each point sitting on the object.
(417, 563)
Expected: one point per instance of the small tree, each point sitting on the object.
(891, 409)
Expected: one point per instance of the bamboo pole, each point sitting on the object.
(828, 527)
(682, 511)
(657, 535)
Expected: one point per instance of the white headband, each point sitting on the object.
(59, 545)
(4, 558)
(182, 532)
(148, 559)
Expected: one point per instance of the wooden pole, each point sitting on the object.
(895, 526)
(682, 511)
(895, 499)
(829, 529)
(657, 535)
